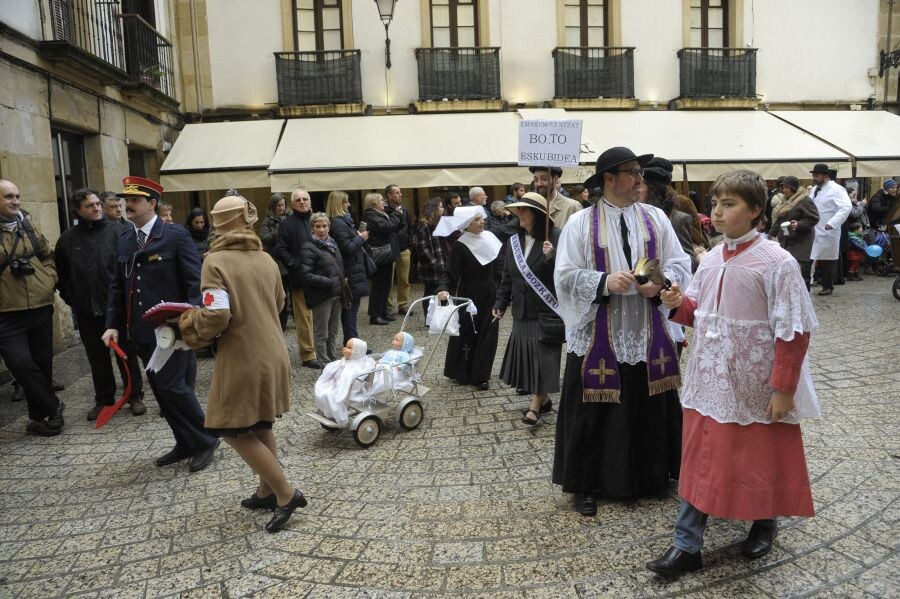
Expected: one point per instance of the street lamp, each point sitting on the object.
(386, 12)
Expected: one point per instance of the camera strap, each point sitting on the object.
(10, 256)
(35, 245)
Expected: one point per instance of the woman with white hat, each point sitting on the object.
(470, 274)
(532, 360)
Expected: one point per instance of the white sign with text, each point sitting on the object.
(550, 143)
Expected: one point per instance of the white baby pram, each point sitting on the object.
(388, 390)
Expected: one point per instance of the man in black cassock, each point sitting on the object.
(618, 432)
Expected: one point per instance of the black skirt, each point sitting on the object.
(529, 364)
(617, 450)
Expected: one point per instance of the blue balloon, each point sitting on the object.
(873, 251)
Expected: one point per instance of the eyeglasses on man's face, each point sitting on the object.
(634, 172)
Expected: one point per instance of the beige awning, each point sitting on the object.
(422, 150)
(871, 138)
(709, 143)
(221, 155)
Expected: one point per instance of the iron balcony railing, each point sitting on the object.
(90, 25)
(600, 72)
(458, 73)
(717, 72)
(322, 77)
(148, 55)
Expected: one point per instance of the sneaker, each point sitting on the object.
(95, 411)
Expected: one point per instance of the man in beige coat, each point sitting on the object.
(547, 182)
(242, 296)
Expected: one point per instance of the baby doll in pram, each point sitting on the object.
(396, 368)
(341, 382)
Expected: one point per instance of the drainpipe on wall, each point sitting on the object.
(887, 47)
(198, 89)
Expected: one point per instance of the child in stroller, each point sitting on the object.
(883, 264)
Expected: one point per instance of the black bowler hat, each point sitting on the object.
(612, 158)
(822, 169)
(658, 169)
(554, 170)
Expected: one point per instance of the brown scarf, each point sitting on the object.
(788, 204)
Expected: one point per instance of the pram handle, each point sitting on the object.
(464, 302)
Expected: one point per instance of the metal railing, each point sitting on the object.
(458, 73)
(321, 77)
(598, 72)
(90, 25)
(148, 55)
(717, 72)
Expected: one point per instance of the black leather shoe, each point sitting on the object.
(521, 391)
(389, 317)
(378, 320)
(482, 386)
(41, 428)
(201, 459)
(585, 504)
(314, 364)
(56, 421)
(255, 502)
(137, 406)
(95, 411)
(283, 514)
(675, 563)
(759, 540)
(173, 457)
(18, 393)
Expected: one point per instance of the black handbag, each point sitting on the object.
(382, 254)
(551, 328)
(369, 264)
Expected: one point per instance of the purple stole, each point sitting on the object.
(600, 370)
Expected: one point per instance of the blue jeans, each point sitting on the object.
(691, 523)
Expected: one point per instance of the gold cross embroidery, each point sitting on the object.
(602, 372)
(662, 361)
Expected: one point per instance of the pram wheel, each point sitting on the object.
(367, 432)
(883, 269)
(411, 415)
(896, 288)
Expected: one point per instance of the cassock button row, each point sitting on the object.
(139, 277)
(139, 265)
(140, 304)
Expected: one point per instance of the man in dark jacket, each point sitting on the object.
(292, 235)
(158, 262)
(27, 281)
(398, 299)
(882, 202)
(83, 256)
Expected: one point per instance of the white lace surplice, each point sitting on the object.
(763, 298)
(576, 279)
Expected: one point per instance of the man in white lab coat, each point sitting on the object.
(834, 207)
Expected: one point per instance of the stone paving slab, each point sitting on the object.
(461, 506)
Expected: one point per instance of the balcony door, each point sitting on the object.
(454, 23)
(709, 23)
(318, 25)
(586, 23)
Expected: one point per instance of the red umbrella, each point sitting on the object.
(109, 411)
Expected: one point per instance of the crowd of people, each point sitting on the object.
(615, 272)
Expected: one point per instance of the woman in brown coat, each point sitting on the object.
(242, 296)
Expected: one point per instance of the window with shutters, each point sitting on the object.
(709, 23)
(454, 23)
(586, 23)
(318, 25)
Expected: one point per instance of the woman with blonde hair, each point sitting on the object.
(350, 242)
(382, 229)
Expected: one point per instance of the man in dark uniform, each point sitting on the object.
(157, 262)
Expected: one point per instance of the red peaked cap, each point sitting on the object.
(138, 186)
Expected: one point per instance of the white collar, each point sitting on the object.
(485, 246)
(732, 244)
(148, 226)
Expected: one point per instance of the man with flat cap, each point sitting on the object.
(158, 262)
(613, 433)
(547, 182)
(834, 207)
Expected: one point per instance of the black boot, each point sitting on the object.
(675, 563)
(759, 540)
(585, 504)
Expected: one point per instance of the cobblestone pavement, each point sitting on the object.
(461, 506)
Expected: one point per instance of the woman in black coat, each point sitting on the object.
(276, 213)
(382, 230)
(529, 365)
(322, 273)
(799, 210)
(197, 224)
(350, 242)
